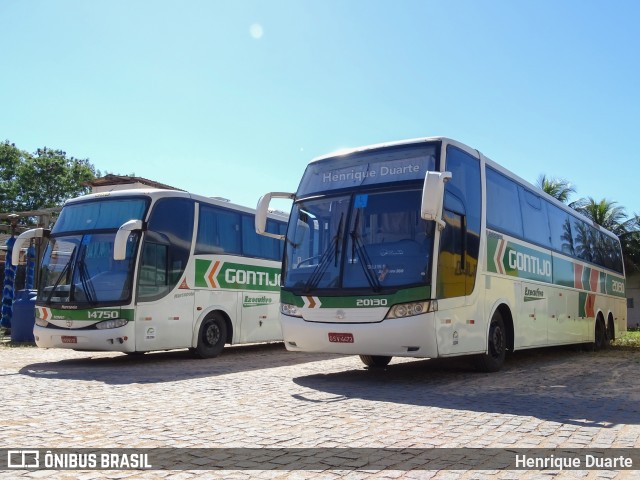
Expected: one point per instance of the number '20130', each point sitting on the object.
(371, 302)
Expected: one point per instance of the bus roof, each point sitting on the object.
(156, 193)
(413, 141)
(476, 153)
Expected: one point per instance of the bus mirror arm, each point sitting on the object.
(262, 212)
(432, 197)
(120, 242)
(23, 238)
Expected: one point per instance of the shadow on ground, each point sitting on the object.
(562, 384)
(167, 366)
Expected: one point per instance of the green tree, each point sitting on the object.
(48, 178)
(558, 188)
(10, 160)
(43, 179)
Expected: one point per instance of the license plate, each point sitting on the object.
(341, 337)
(69, 339)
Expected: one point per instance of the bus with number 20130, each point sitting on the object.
(426, 248)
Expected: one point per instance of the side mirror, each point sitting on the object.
(433, 196)
(23, 238)
(120, 243)
(262, 212)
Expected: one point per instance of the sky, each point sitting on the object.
(232, 98)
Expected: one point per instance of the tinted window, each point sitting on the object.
(561, 230)
(223, 231)
(503, 204)
(370, 167)
(460, 241)
(219, 231)
(166, 247)
(535, 220)
(100, 214)
(254, 245)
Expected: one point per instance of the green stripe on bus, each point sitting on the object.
(239, 276)
(358, 301)
(89, 314)
(506, 257)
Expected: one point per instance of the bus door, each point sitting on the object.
(459, 318)
(164, 317)
(165, 300)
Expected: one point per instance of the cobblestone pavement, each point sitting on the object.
(262, 396)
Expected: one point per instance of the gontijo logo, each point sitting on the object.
(220, 274)
(509, 258)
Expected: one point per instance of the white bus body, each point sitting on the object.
(144, 270)
(426, 248)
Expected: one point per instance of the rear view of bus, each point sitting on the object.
(386, 255)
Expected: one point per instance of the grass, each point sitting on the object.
(629, 339)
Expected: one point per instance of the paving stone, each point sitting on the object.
(261, 396)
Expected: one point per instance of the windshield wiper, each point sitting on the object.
(329, 254)
(63, 272)
(85, 280)
(358, 248)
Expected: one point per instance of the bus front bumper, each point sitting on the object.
(399, 337)
(114, 339)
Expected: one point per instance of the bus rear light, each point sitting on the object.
(411, 309)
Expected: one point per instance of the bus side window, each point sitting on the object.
(166, 247)
(464, 199)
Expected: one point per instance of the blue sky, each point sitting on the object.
(233, 98)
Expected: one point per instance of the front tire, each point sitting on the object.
(375, 361)
(212, 337)
(493, 360)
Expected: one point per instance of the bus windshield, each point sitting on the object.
(80, 269)
(78, 265)
(369, 240)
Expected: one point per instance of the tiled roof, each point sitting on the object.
(124, 180)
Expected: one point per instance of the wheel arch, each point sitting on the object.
(505, 310)
(209, 313)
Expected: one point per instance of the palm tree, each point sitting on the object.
(610, 215)
(558, 188)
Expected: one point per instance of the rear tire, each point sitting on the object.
(601, 339)
(375, 361)
(493, 360)
(212, 337)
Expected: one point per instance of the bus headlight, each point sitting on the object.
(290, 310)
(118, 322)
(403, 310)
(41, 322)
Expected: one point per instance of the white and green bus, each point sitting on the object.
(142, 270)
(426, 248)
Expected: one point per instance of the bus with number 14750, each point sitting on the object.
(426, 248)
(135, 271)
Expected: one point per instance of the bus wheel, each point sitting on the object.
(211, 337)
(493, 360)
(600, 340)
(375, 361)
